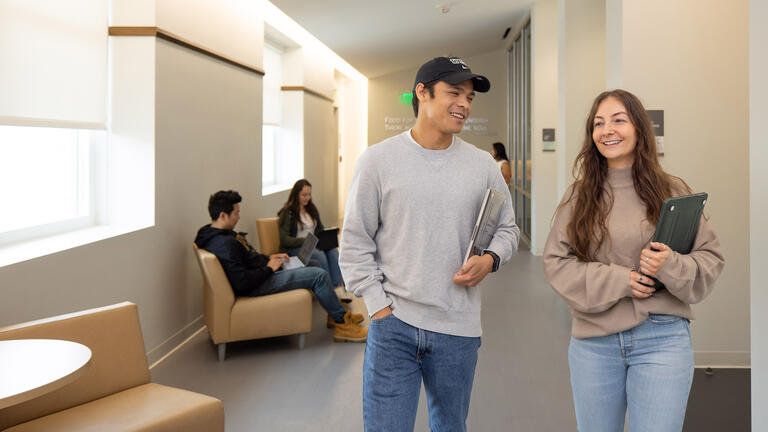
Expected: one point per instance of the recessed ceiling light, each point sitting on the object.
(444, 7)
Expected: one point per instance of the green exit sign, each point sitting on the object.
(406, 98)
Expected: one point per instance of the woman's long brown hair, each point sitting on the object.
(587, 229)
(295, 207)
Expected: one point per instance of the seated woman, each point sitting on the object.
(298, 217)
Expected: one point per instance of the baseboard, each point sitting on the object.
(174, 342)
(722, 359)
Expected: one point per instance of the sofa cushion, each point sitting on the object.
(149, 407)
(280, 314)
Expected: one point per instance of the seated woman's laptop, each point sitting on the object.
(302, 258)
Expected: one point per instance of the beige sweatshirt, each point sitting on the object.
(598, 293)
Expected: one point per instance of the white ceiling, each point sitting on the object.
(382, 37)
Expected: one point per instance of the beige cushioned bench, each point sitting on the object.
(114, 393)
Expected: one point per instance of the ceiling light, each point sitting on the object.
(445, 7)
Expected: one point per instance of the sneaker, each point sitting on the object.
(349, 331)
(353, 317)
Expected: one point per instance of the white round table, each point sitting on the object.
(33, 367)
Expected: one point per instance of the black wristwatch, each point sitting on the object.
(495, 257)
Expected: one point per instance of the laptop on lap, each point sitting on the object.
(302, 258)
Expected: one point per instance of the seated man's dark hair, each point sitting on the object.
(222, 201)
(430, 87)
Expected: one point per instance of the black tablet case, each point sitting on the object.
(678, 224)
(679, 221)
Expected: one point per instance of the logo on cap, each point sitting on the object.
(458, 61)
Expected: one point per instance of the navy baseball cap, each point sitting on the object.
(452, 70)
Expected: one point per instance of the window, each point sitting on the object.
(70, 140)
(282, 141)
(46, 180)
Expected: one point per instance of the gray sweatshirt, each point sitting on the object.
(409, 218)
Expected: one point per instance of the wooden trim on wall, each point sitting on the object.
(310, 91)
(133, 31)
(178, 40)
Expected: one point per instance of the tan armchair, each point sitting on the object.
(231, 319)
(115, 392)
(269, 235)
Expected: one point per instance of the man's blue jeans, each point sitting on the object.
(645, 371)
(397, 357)
(327, 260)
(306, 277)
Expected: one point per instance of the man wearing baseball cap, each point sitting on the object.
(410, 214)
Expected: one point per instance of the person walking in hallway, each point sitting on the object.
(499, 154)
(410, 213)
(630, 349)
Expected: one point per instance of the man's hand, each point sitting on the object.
(275, 262)
(640, 285)
(282, 256)
(382, 313)
(474, 270)
(652, 260)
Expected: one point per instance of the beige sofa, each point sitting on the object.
(231, 318)
(115, 392)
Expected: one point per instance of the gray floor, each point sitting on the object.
(521, 381)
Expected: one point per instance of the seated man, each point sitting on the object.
(253, 274)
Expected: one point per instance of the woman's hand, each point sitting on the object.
(651, 261)
(639, 284)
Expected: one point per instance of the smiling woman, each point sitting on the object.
(622, 287)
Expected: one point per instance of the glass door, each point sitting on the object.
(520, 130)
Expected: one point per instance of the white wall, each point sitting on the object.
(581, 76)
(699, 77)
(321, 156)
(233, 28)
(758, 205)
(383, 102)
(544, 95)
(353, 119)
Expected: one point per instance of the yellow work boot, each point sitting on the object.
(355, 318)
(349, 332)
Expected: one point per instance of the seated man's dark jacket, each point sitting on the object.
(245, 268)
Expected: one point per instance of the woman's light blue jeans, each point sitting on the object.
(645, 371)
(327, 260)
(398, 357)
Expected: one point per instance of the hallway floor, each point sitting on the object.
(521, 380)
